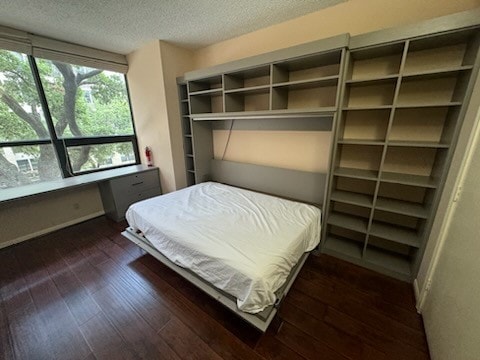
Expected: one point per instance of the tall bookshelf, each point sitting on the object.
(187, 133)
(401, 111)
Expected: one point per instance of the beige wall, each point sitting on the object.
(147, 94)
(452, 308)
(175, 62)
(275, 148)
(37, 215)
(153, 91)
(353, 16)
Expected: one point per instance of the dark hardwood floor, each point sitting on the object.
(85, 292)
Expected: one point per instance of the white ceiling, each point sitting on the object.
(125, 25)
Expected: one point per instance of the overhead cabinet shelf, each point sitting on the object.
(307, 83)
(326, 113)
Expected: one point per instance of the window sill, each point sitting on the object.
(21, 192)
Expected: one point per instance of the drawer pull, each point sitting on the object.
(138, 183)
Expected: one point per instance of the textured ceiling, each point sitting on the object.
(124, 25)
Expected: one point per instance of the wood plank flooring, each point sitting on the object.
(86, 292)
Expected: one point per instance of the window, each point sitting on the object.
(59, 119)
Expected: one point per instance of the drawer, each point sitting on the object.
(123, 202)
(132, 184)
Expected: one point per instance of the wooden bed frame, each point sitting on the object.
(280, 182)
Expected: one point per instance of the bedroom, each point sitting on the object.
(152, 71)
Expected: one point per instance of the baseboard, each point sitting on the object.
(51, 229)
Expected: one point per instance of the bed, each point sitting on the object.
(242, 247)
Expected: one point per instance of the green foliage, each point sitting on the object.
(101, 105)
(109, 87)
(12, 127)
(16, 80)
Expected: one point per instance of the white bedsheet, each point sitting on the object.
(243, 242)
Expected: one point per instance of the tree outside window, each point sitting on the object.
(83, 104)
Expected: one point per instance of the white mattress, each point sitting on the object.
(243, 242)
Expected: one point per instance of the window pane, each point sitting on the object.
(23, 165)
(21, 115)
(85, 101)
(101, 156)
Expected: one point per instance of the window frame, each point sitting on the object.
(60, 145)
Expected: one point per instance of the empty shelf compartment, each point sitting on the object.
(307, 67)
(257, 76)
(364, 125)
(390, 261)
(350, 222)
(376, 62)
(213, 83)
(341, 246)
(398, 234)
(356, 173)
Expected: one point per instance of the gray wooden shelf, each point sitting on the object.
(399, 79)
(437, 72)
(250, 90)
(187, 132)
(395, 233)
(407, 105)
(407, 179)
(208, 92)
(310, 83)
(350, 222)
(402, 207)
(356, 173)
(282, 113)
(368, 107)
(391, 262)
(377, 79)
(424, 144)
(361, 142)
(352, 198)
(335, 245)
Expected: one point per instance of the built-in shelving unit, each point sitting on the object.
(303, 84)
(295, 88)
(401, 111)
(397, 104)
(187, 133)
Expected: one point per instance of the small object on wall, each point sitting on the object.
(149, 155)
